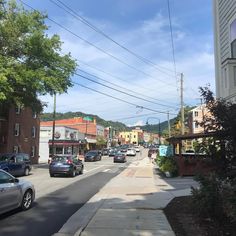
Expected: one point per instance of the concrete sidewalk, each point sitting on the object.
(130, 204)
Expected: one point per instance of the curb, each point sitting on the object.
(78, 222)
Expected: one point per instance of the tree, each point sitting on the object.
(101, 141)
(31, 63)
(223, 123)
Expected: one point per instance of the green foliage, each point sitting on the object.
(101, 142)
(30, 60)
(215, 198)
(168, 164)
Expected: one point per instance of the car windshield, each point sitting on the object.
(60, 159)
(92, 153)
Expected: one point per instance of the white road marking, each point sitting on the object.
(93, 169)
(106, 170)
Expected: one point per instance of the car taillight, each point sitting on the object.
(69, 161)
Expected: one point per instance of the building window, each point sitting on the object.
(234, 76)
(18, 109)
(33, 132)
(196, 125)
(226, 77)
(196, 113)
(16, 149)
(17, 129)
(134, 136)
(33, 151)
(233, 38)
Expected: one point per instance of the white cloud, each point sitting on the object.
(151, 40)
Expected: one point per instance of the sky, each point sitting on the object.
(131, 51)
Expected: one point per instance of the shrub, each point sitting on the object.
(207, 200)
(168, 164)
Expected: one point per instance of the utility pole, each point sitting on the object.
(53, 123)
(182, 102)
(168, 118)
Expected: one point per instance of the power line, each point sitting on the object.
(171, 35)
(119, 99)
(70, 11)
(134, 96)
(98, 48)
(118, 78)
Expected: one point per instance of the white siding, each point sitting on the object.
(224, 14)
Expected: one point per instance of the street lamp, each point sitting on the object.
(159, 127)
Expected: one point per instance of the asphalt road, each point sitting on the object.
(58, 198)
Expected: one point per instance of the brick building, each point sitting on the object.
(19, 131)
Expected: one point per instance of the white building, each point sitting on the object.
(100, 130)
(225, 48)
(67, 141)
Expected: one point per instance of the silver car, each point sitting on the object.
(15, 193)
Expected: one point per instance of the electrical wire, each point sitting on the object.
(134, 96)
(70, 11)
(122, 100)
(98, 48)
(118, 78)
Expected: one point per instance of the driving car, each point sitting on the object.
(93, 155)
(112, 152)
(119, 157)
(16, 164)
(15, 193)
(66, 164)
(131, 152)
(105, 152)
(137, 148)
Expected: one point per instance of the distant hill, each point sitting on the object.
(116, 125)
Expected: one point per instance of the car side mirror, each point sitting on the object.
(16, 180)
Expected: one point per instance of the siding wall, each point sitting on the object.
(224, 13)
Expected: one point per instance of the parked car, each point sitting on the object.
(66, 164)
(131, 152)
(15, 193)
(93, 155)
(16, 164)
(119, 157)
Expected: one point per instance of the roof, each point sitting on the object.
(86, 127)
(190, 136)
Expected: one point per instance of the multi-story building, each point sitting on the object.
(19, 131)
(85, 126)
(66, 141)
(225, 48)
(132, 137)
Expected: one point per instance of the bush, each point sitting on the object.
(168, 164)
(215, 198)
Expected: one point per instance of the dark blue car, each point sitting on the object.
(66, 164)
(16, 164)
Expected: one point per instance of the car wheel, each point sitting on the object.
(26, 172)
(27, 200)
(51, 175)
(73, 173)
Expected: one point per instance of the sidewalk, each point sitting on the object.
(130, 204)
